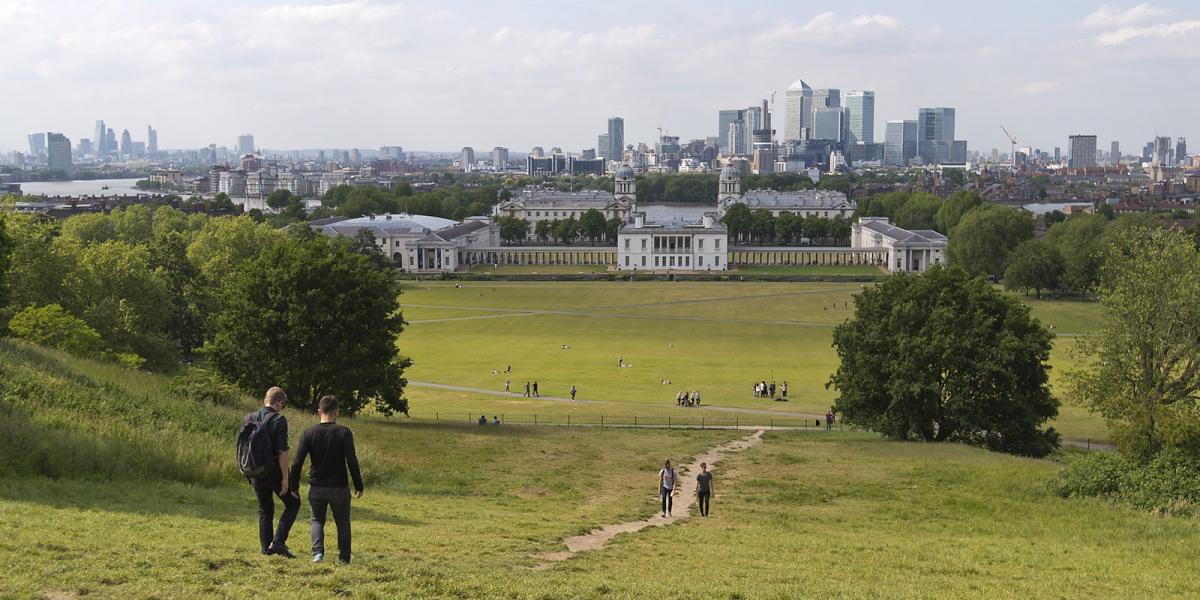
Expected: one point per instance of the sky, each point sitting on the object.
(442, 75)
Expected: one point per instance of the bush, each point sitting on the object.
(1168, 484)
(200, 385)
(54, 327)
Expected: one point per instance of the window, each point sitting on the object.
(700, 244)
(643, 259)
(627, 243)
(700, 261)
(717, 260)
(672, 261)
(717, 244)
(627, 260)
(687, 261)
(656, 261)
(643, 244)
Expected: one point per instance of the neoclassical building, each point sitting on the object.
(418, 242)
(535, 205)
(678, 245)
(907, 251)
(807, 203)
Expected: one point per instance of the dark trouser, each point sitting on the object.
(666, 498)
(702, 498)
(264, 490)
(338, 500)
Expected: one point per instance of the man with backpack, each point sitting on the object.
(331, 447)
(263, 459)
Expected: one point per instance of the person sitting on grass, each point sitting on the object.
(495, 420)
(482, 419)
(331, 447)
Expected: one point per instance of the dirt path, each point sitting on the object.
(685, 498)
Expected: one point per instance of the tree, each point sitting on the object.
(1080, 242)
(952, 210)
(737, 221)
(1036, 265)
(919, 212)
(613, 227)
(89, 228)
(317, 319)
(762, 226)
(5, 252)
(789, 227)
(1106, 211)
(279, 199)
(942, 356)
(545, 229)
(56, 328)
(1055, 216)
(592, 225)
(983, 238)
(513, 229)
(566, 230)
(224, 243)
(364, 243)
(190, 296)
(1141, 370)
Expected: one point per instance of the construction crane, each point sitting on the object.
(1012, 155)
(661, 120)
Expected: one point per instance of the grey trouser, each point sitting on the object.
(338, 500)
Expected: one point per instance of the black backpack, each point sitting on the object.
(255, 448)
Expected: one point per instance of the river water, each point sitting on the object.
(93, 187)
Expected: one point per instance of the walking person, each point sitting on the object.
(535, 392)
(666, 487)
(272, 479)
(829, 420)
(506, 383)
(331, 447)
(704, 490)
(526, 389)
(572, 392)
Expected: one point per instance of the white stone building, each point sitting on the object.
(548, 205)
(679, 246)
(807, 203)
(418, 242)
(908, 251)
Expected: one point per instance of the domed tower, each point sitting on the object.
(625, 186)
(729, 187)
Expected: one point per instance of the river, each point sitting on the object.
(91, 187)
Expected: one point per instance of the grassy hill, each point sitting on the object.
(114, 486)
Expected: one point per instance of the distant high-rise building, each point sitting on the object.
(500, 157)
(85, 147)
(110, 142)
(860, 117)
(151, 141)
(602, 148)
(828, 124)
(752, 120)
(126, 144)
(1081, 151)
(37, 144)
(1114, 154)
(900, 142)
(1181, 150)
(935, 134)
(392, 152)
(735, 138)
(245, 144)
(537, 151)
(616, 139)
(467, 160)
(100, 139)
(825, 98)
(724, 118)
(588, 154)
(1162, 151)
(1057, 154)
(58, 155)
(797, 111)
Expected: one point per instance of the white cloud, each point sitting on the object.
(1035, 88)
(501, 34)
(1107, 16)
(354, 10)
(828, 28)
(1159, 31)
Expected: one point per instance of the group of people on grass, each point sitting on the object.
(330, 447)
(762, 389)
(483, 420)
(667, 489)
(688, 398)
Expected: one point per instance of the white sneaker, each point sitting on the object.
(318, 557)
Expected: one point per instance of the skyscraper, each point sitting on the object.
(126, 144)
(1162, 150)
(752, 120)
(616, 139)
(58, 156)
(245, 144)
(467, 159)
(860, 117)
(900, 142)
(1181, 150)
(151, 141)
(735, 138)
(724, 118)
(1114, 154)
(499, 157)
(828, 124)
(935, 134)
(110, 142)
(1081, 151)
(100, 139)
(797, 110)
(602, 148)
(37, 144)
(825, 98)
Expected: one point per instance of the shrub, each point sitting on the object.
(1169, 483)
(200, 385)
(54, 327)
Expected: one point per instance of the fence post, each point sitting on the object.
(437, 417)
(1089, 443)
(568, 420)
(601, 421)
(772, 423)
(535, 419)
(701, 422)
(635, 421)
(737, 423)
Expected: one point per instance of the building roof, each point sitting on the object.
(545, 199)
(903, 237)
(799, 85)
(673, 227)
(796, 200)
(386, 225)
(625, 172)
(730, 172)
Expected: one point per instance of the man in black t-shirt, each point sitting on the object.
(275, 482)
(703, 488)
(331, 447)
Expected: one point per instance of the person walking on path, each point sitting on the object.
(572, 392)
(331, 447)
(274, 482)
(704, 489)
(828, 420)
(535, 392)
(526, 389)
(666, 487)
(506, 384)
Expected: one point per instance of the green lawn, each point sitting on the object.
(855, 270)
(540, 269)
(715, 337)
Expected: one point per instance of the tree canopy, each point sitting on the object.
(984, 237)
(1034, 265)
(941, 356)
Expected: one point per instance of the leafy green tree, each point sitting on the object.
(54, 327)
(224, 243)
(839, 228)
(952, 210)
(943, 357)
(789, 227)
(919, 212)
(5, 251)
(592, 225)
(613, 228)
(567, 230)
(545, 229)
(39, 261)
(191, 297)
(317, 319)
(1141, 370)
(1080, 241)
(365, 244)
(89, 228)
(1106, 211)
(1055, 216)
(279, 199)
(513, 229)
(134, 224)
(762, 226)
(1036, 265)
(738, 221)
(981, 242)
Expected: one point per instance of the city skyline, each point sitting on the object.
(1023, 72)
